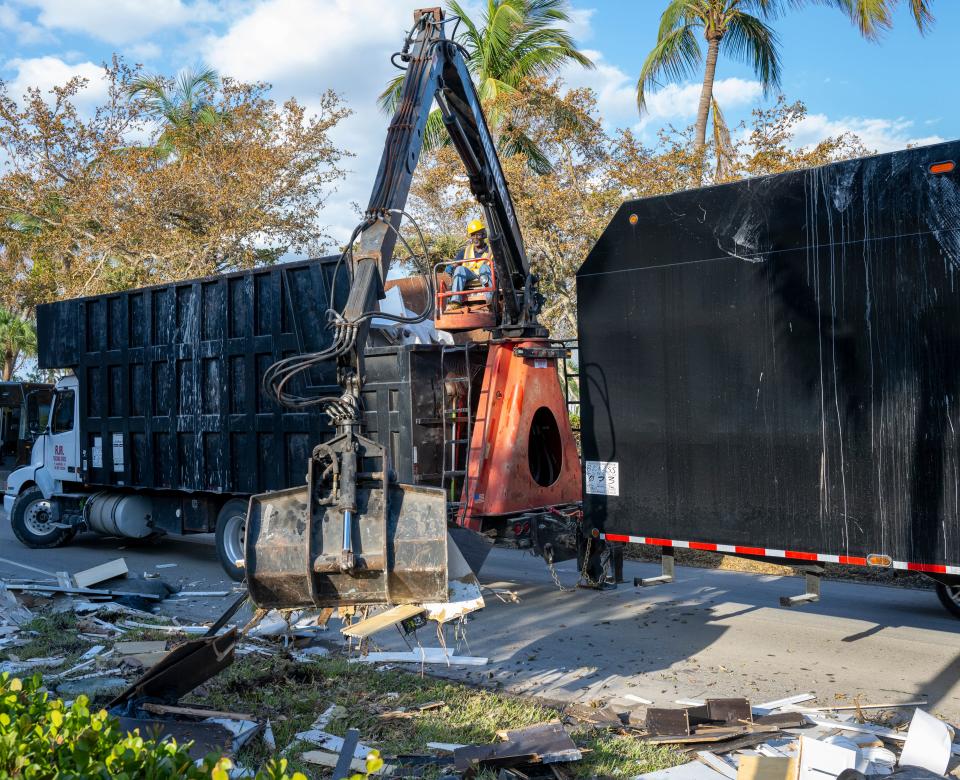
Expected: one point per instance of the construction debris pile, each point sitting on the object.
(143, 679)
(788, 739)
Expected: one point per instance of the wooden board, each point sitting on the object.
(105, 571)
(766, 768)
(135, 648)
(381, 621)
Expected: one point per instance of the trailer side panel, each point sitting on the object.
(772, 364)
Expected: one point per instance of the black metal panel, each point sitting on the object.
(773, 363)
(171, 374)
(402, 404)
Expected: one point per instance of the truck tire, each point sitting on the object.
(231, 524)
(949, 595)
(32, 523)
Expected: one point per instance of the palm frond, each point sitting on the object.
(389, 99)
(722, 142)
(873, 18)
(675, 57)
(513, 142)
(752, 41)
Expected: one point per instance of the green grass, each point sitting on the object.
(292, 695)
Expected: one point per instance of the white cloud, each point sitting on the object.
(119, 21)
(673, 103)
(48, 72)
(25, 32)
(877, 134)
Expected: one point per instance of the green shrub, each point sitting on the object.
(41, 737)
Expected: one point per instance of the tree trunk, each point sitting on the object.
(9, 360)
(706, 99)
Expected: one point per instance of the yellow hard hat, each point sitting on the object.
(475, 226)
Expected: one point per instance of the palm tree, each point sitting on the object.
(513, 40)
(184, 107)
(738, 27)
(874, 17)
(741, 30)
(18, 338)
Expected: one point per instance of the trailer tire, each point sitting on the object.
(231, 524)
(949, 595)
(31, 523)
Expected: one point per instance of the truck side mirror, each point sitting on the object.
(35, 425)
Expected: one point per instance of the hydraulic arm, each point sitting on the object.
(352, 535)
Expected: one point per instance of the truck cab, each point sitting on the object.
(16, 435)
(54, 467)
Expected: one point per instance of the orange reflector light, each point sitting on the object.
(633, 219)
(880, 560)
(943, 167)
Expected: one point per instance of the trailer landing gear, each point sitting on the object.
(666, 564)
(811, 578)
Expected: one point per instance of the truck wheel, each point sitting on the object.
(231, 528)
(950, 597)
(32, 521)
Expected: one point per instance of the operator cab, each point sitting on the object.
(474, 310)
(467, 285)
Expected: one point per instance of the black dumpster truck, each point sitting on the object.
(161, 425)
(771, 369)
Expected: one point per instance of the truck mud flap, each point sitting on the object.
(401, 549)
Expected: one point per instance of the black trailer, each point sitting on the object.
(770, 367)
(170, 411)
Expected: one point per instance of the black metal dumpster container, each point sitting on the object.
(772, 367)
(170, 378)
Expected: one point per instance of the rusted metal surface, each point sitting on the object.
(522, 454)
(182, 669)
(296, 543)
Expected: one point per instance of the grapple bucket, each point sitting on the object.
(398, 537)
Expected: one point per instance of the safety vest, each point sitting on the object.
(474, 261)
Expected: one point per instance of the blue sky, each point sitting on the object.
(902, 90)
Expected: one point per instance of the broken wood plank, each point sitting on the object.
(542, 744)
(718, 764)
(603, 717)
(766, 768)
(661, 721)
(711, 735)
(729, 710)
(379, 622)
(193, 712)
(782, 720)
(342, 769)
(105, 571)
(136, 648)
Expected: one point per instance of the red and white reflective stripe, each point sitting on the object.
(767, 552)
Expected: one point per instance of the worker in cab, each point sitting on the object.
(473, 264)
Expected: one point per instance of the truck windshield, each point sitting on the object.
(63, 412)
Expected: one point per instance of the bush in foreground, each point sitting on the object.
(41, 737)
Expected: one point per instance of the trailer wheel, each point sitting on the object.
(950, 597)
(32, 521)
(231, 535)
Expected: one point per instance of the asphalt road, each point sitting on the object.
(708, 634)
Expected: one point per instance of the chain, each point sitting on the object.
(584, 573)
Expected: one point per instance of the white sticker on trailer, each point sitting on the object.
(96, 452)
(603, 477)
(118, 452)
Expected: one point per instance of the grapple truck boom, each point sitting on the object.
(353, 535)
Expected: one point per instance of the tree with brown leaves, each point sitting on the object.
(88, 204)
